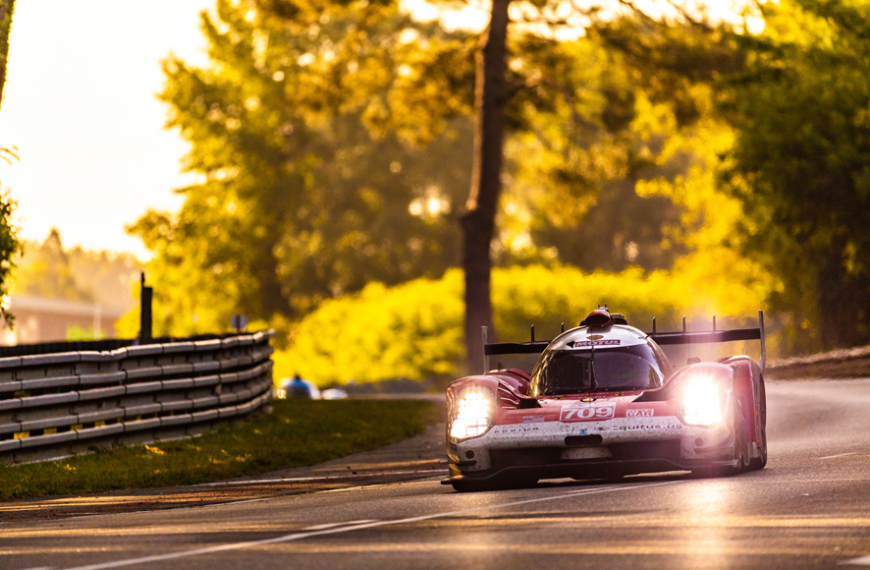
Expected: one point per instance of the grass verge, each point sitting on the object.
(296, 433)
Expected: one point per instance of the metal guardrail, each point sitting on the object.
(54, 405)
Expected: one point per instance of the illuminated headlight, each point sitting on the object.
(702, 401)
(472, 415)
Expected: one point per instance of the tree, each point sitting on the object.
(795, 97)
(495, 88)
(9, 244)
(47, 273)
(800, 164)
(310, 189)
(49, 270)
(333, 141)
(478, 222)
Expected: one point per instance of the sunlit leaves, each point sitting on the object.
(9, 247)
(297, 138)
(414, 330)
(800, 164)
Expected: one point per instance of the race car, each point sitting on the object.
(603, 401)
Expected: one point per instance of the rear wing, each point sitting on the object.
(497, 349)
(702, 337)
(661, 338)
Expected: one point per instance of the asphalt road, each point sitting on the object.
(809, 509)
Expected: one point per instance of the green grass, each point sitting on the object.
(296, 433)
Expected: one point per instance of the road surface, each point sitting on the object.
(810, 508)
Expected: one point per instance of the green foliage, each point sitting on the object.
(7, 9)
(296, 433)
(576, 162)
(781, 139)
(333, 143)
(76, 333)
(9, 243)
(45, 271)
(414, 330)
(800, 165)
(9, 247)
(308, 189)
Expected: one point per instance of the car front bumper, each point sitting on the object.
(620, 446)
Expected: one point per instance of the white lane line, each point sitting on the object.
(334, 525)
(841, 455)
(323, 478)
(241, 502)
(356, 488)
(301, 535)
(863, 561)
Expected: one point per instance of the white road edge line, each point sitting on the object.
(242, 502)
(841, 455)
(863, 561)
(379, 485)
(324, 478)
(355, 488)
(334, 525)
(301, 535)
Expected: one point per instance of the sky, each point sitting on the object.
(80, 105)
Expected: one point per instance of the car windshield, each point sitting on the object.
(568, 371)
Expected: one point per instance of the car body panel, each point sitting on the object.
(596, 433)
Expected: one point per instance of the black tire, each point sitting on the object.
(761, 462)
(741, 443)
(472, 486)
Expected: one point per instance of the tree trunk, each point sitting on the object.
(478, 223)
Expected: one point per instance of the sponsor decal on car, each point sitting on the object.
(588, 343)
(587, 412)
(532, 419)
(643, 412)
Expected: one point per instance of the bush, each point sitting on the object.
(414, 330)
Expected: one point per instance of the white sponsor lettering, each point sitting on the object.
(645, 412)
(587, 412)
(610, 342)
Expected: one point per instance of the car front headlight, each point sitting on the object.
(472, 413)
(702, 401)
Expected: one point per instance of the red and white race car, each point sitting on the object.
(604, 401)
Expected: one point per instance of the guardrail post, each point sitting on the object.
(145, 311)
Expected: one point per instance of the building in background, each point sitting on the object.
(49, 320)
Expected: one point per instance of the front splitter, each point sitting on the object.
(588, 469)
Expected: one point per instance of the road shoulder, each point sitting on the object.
(419, 457)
